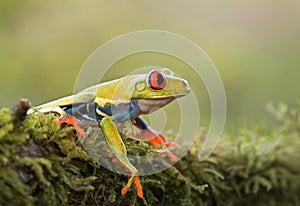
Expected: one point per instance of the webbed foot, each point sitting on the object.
(136, 181)
(160, 140)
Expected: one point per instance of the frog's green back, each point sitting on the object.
(122, 90)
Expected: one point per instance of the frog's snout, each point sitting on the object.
(186, 86)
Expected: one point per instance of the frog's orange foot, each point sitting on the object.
(139, 191)
(172, 144)
(160, 140)
(69, 119)
(157, 140)
(172, 157)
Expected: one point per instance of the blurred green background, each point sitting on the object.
(255, 45)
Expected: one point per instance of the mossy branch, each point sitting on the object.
(44, 163)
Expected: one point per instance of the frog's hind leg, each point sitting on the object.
(62, 116)
(70, 119)
(116, 143)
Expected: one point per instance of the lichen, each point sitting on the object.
(43, 162)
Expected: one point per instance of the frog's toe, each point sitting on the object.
(139, 191)
(124, 190)
(171, 144)
(171, 156)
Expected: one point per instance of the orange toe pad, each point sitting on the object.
(171, 156)
(124, 190)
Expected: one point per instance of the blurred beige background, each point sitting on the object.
(255, 45)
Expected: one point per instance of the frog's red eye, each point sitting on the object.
(157, 80)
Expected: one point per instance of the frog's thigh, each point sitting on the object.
(115, 141)
(53, 109)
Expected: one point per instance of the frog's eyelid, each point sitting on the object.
(167, 71)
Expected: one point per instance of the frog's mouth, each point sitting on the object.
(147, 106)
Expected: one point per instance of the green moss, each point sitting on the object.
(44, 163)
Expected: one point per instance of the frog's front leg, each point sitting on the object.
(116, 143)
(156, 139)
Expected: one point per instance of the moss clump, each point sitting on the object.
(44, 163)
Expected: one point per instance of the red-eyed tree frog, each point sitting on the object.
(123, 99)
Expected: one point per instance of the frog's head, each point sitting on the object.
(150, 91)
(158, 88)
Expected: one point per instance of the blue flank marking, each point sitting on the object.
(71, 110)
(79, 110)
(120, 112)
